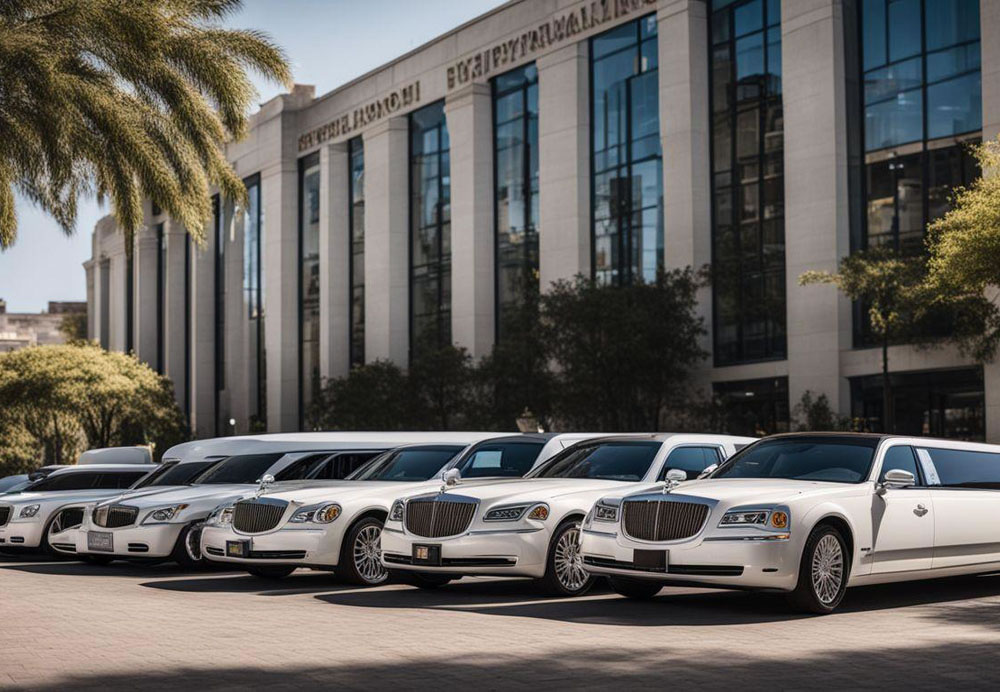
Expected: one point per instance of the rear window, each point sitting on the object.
(614, 461)
(503, 459)
(243, 469)
(65, 481)
(118, 480)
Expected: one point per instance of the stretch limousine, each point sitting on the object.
(809, 514)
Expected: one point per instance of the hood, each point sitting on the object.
(533, 489)
(187, 494)
(60, 497)
(739, 491)
(338, 490)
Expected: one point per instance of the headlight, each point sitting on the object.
(221, 515)
(164, 514)
(317, 514)
(29, 511)
(775, 519)
(396, 513)
(539, 512)
(605, 512)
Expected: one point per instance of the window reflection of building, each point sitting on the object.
(356, 207)
(627, 158)
(249, 220)
(748, 233)
(754, 407)
(309, 181)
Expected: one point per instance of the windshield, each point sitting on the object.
(409, 465)
(505, 459)
(244, 469)
(612, 461)
(11, 483)
(829, 459)
(174, 473)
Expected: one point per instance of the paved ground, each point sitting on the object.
(74, 626)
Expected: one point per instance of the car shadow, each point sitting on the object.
(302, 582)
(69, 568)
(676, 606)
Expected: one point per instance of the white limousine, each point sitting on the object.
(809, 514)
(531, 527)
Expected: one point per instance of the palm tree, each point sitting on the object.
(124, 99)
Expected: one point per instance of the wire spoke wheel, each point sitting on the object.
(827, 569)
(367, 558)
(192, 543)
(568, 562)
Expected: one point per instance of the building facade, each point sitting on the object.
(611, 138)
(22, 329)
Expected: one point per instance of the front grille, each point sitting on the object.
(256, 516)
(431, 518)
(4, 515)
(662, 520)
(115, 516)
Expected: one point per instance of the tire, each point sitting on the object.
(637, 589)
(360, 555)
(564, 571)
(187, 550)
(823, 572)
(421, 580)
(271, 572)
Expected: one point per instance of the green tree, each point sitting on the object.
(375, 396)
(126, 100)
(813, 412)
(440, 381)
(71, 397)
(622, 354)
(73, 326)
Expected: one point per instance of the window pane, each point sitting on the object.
(748, 18)
(889, 81)
(873, 33)
(904, 29)
(964, 469)
(955, 106)
(953, 61)
(900, 458)
(951, 21)
(896, 121)
(691, 460)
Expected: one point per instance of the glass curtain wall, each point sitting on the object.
(309, 383)
(130, 299)
(356, 209)
(253, 302)
(515, 142)
(627, 184)
(430, 226)
(219, 291)
(161, 298)
(748, 228)
(754, 407)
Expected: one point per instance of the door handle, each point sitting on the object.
(920, 510)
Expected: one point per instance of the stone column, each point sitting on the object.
(817, 232)
(335, 261)
(989, 26)
(564, 163)
(202, 335)
(174, 322)
(88, 268)
(387, 256)
(470, 126)
(146, 257)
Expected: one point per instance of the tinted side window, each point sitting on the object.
(303, 468)
(508, 460)
(691, 460)
(66, 481)
(118, 481)
(966, 469)
(901, 458)
(340, 466)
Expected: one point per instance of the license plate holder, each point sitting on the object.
(424, 554)
(651, 560)
(100, 542)
(238, 549)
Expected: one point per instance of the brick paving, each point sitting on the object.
(68, 625)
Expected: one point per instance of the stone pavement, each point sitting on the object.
(73, 626)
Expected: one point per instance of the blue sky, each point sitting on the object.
(329, 42)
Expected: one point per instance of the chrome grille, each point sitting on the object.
(4, 515)
(257, 516)
(662, 520)
(431, 518)
(115, 516)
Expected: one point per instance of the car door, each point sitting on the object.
(902, 519)
(966, 493)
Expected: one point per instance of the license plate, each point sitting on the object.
(238, 548)
(427, 555)
(653, 560)
(100, 541)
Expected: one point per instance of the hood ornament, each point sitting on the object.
(265, 484)
(450, 479)
(673, 478)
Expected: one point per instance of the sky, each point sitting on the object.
(329, 42)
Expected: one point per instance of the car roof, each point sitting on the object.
(103, 468)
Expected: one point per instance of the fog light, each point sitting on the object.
(779, 519)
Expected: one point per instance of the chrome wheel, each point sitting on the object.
(192, 543)
(827, 569)
(568, 562)
(367, 555)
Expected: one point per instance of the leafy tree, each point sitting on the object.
(73, 326)
(814, 413)
(70, 397)
(375, 396)
(622, 354)
(126, 100)
(440, 380)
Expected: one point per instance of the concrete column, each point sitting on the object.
(334, 262)
(387, 256)
(174, 323)
(685, 134)
(564, 163)
(469, 112)
(203, 336)
(146, 257)
(88, 268)
(816, 195)
(989, 26)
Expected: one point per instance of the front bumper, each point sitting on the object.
(142, 541)
(299, 547)
(732, 561)
(22, 534)
(514, 552)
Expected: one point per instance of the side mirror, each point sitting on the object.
(896, 478)
(451, 477)
(676, 475)
(708, 470)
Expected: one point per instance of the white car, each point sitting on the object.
(531, 527)
(809, 514)
(26, 516)
(159, 523)
(337, 527)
